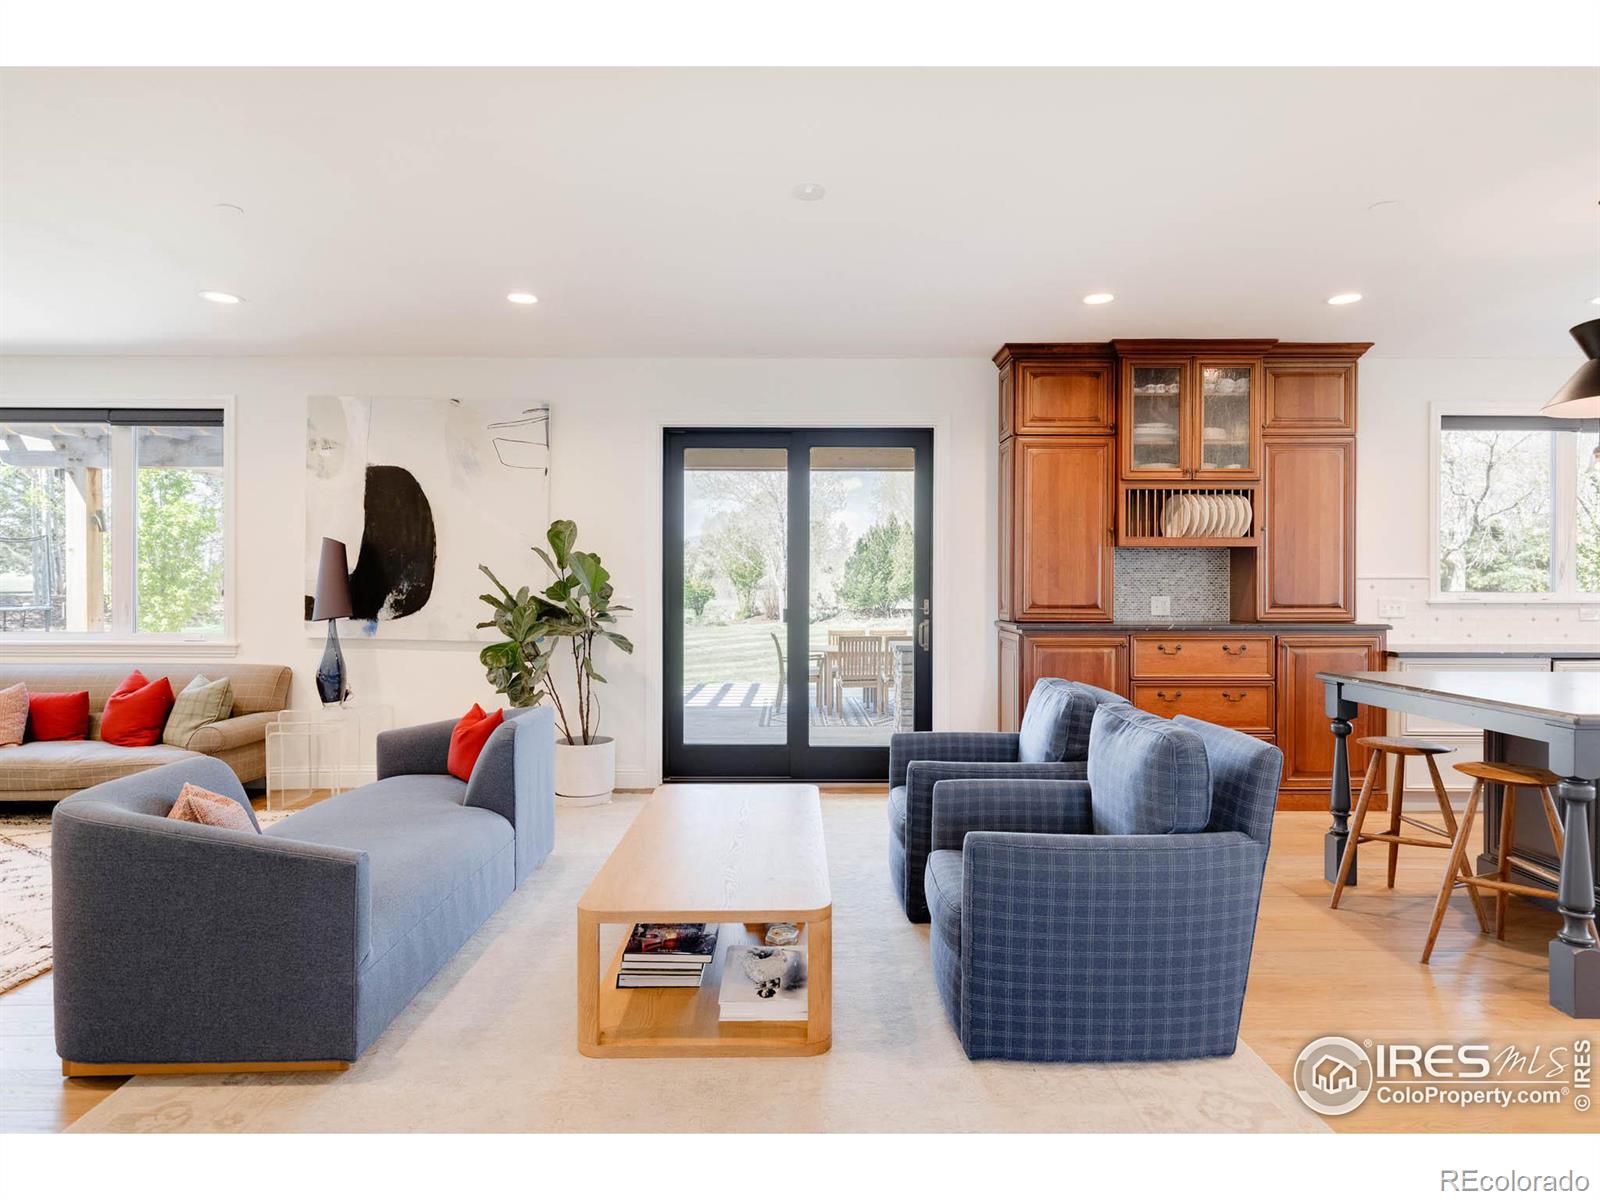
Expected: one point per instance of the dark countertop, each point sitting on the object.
(1259, 627)
(1506, 650)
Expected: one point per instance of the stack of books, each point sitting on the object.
(670, 956)
(764, 983)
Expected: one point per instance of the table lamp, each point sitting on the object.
(332, 601)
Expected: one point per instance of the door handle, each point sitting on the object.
(1227, 649)
(1231, 699)
(1174, 696)
(922, 633)
(1162, 646)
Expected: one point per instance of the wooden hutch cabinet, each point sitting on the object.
(1247, 446)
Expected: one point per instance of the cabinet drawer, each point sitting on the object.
(1202, 656)
(1247, 707)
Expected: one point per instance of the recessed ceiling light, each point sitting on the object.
(1099, 298)
(522, 298)
(1377, 204)
(1594, 299)
(808, 191)
(1345, 298)
(220, 297)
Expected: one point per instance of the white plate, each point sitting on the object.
(1175, 517)
(1246, 516)
(1214, 528)
(1202, 516)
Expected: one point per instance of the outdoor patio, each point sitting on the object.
(746, 714)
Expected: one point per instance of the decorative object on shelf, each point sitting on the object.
(422, 490)
(330, 602)
(763, 983)
(1580, 395)
(781, 933)
(577, 609)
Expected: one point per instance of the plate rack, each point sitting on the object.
(1147, 513)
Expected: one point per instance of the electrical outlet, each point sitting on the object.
(1588, 612)
(1160, 606)
(1391, 606)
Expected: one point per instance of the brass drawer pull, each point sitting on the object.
(1232, 699)
(1227, 649)
(1174, 696)
(1162, 646)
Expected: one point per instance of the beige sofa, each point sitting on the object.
(55, 770)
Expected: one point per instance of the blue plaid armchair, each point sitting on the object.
(1053, 743)
(1110, 919)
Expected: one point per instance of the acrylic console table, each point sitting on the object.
(313, 752)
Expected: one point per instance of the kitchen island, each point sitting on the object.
(1559, 711)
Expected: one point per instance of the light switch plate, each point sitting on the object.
(1160, 606)
(1588, 612)
(1391, 606)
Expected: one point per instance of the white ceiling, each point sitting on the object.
(390, 211)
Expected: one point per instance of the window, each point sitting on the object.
(1517, 507)
(112, 522)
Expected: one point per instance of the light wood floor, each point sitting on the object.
(1315, 972)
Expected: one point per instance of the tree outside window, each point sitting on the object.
(112, 522)
(1518, 507)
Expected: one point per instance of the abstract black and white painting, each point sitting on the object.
(421, 492)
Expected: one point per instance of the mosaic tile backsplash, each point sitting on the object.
(1197, 581)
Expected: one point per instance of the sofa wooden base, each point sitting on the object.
(78, 1069)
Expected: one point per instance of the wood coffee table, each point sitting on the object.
(741, 855)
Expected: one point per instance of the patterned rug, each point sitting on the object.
(25, 894)
(24, 898)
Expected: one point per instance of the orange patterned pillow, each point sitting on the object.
(201, 807)
(13, 714)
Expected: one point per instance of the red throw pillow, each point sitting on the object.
(136, 713)
(58, 716)
(468, 738)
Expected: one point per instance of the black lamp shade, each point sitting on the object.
(1580, 397)
(333, 583)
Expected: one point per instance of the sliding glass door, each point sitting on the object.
(798, 620)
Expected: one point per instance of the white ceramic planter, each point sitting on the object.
(586, 774)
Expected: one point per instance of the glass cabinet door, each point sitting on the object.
(1226, 428)
(1155, 420)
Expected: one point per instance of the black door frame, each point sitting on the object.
(795, 758)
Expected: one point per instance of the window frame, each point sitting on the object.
(1564, 511)
(124, 518)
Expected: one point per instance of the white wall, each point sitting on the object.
(1392, 547)
(607, 418)
(607, 421)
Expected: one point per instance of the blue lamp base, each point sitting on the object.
(330, 674)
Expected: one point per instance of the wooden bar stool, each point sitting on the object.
(1399, 749)
(1513, 777)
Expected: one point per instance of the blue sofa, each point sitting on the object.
(1053, 743)
(178, 943)
(1109, 919)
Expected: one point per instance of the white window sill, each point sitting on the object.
(66, 648)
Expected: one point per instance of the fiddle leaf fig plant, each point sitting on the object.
(576, 610)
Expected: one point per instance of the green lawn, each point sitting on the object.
(744, 653)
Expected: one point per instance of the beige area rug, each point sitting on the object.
(490, 1044)
(25, 895)
(24, 898)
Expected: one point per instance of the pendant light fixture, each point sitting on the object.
(1580, 397)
